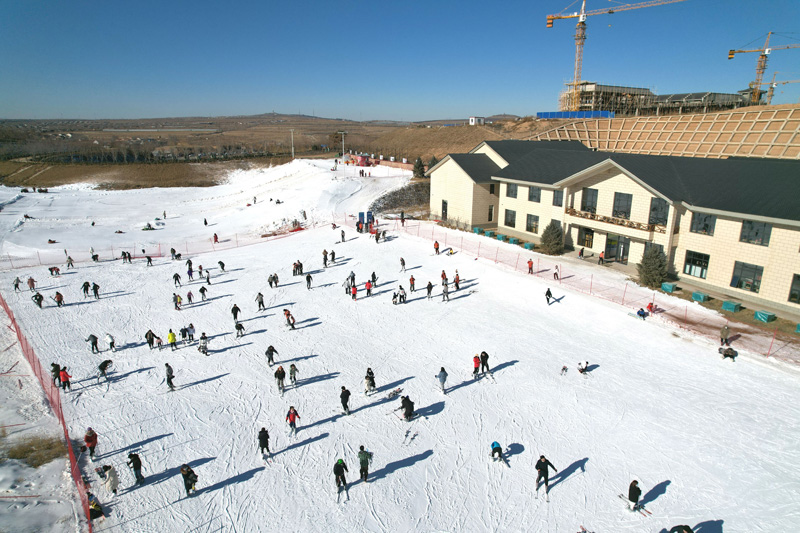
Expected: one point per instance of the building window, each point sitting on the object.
(589, 200)
(511, 218)
(648, 245)
(558, 198)
(586, 237)
(659, 210)
(622, 205)
(702, 223)
(794, 291)
(696, 264)
(491, 188)
(534, 194)
(755, 232)
(747, 276)
(555, 220)
(511, 190)
(532, 224)
(491, 213)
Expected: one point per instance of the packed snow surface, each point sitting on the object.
(712, 443)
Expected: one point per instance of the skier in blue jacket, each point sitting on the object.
(497, 449)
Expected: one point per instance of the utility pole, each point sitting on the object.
(292, 142)
(342, 134)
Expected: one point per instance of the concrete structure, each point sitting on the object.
(477, 121)
(730, 225)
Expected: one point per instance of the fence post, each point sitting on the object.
(39, 256)
(561, 274)
(10, 261)
(537, 265)
(772, 342)
(591, 279)
(623, 293)
(517, 263)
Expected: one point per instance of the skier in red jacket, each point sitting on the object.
(91, 442)
(64, 377)
(353, 291)
(292, 418)
(476, 362)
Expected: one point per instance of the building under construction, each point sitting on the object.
(637, 101)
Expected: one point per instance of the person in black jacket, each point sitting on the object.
(263, 441)
(345, 397)
(634, 492)
(484, 362)
(136, 465)
(408, 407)
(235, 312)
(92, 340)
(270, 353)
(189, 479)
(103, 368)
(338, 470)
(280, 375)
(542, 473)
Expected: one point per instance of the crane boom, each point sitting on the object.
(761, 65)
(580, 37)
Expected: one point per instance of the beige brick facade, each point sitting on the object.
(467, 202)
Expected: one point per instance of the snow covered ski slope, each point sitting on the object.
(712, 443)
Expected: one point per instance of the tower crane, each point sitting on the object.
(761, 65)
(580, 37)
(773, 84)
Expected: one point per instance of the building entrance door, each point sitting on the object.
(617, 248)
(444, 209)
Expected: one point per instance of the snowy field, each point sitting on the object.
(712, 443)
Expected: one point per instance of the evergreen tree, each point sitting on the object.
(419, 168)
(432, 163)
(553, 239)
(653, 268)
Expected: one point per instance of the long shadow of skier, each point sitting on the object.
(311, 325)
(430, 410)
(136, 445)
(117, 377)
(192, 384)
(317, 378)
(506, 364)
(513, 449)
(244, 476)
(155, 479)
(302, 443)
(225, 349)
(562, 475)
(709, 526)
(293, 359)
(655, 492)
(396, 465)
(393, 384)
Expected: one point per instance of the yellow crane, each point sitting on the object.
(761, 65)
(773, 84)
(580, 37)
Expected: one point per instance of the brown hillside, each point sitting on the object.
(426, 142)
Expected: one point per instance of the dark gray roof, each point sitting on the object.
(762, 187)
(512, 151)
(479, 167)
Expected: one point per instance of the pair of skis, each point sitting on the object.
(339, 491)
(637, 507)
(407, 440)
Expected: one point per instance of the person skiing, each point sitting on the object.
(221, 265)
(31, 283)
(189, 296)
(270, 353)
(70, 263)
(216, 239)
(111, 483)
(497, 450)
(555, 273)
(263, 441)
(203, 291)
(235, 312)
(17, 281)
(436, 247)
(445, 293)
(338, 470)
(369, 382)
(176, 278)
(86, 286)
(324, 258)
(203, 345)
(55, 370)
(542, 473)
(90, 440)
(260, 300)
(402, 295)
(308, 281)
(189, 477)
(270, 280)
(176, 302)
(103, 368)
(149, 260)
(634, 492)
(476, 363)
(342, 235)
(584, 368)
(92, 340)
(333, 256)
(208, 277)
(548, 295)
(190, 273)
(411, 281)
(170, 377)
(172, 340)
(485, 363)
(364, 460)
(353, 291)
(292, 416)
(641, 313)
(444, 278)
(96, 290)
(368, 286)
(38, 299)
(293, 374)
(59, 299)
(135, 463)
(402, 265)
(345, 397)
(280, 375)
(430, 289)
(63, 379)
(150, 337)
(239, 330)
(456, 280)
(110, 340)
(530, 266)
(442, 377)
(724, 333)
(289, 318)
(408, 408)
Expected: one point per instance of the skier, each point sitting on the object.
(476, 363)
(176, 278)
(555, 273)
(203, 291)
(208, 277)
(582, 369)
(55, 370)
(530, 266)
(70, 263)
(270, 353)
(170, 377)
(634, 492)
(189, 477)
(338, 470)
(59, 299)
(342, 235)
(364, 460)
(111, 482)
(17, 281)
(324, 258)
(289, 318)
(86, 285)
(31, 283)
(221, 265)
(548, 295)
(90, 440)
(456, 280)
(64, 378)
(564, 369)
(497, 449)
(402, 295)
(293, 374)
(269, 280)
(190, 273)
(368, 286)
(542, 473)
(411, 281)
(444, 278)
(372, 278)
(723, 335)
(263, 441)
(175, 303)
(280, 375)
(149, 260)
(189, 296)
(110, 341)
(37, 299)
(369, 381)
(189, 263)
(442, 377)
(353, 291)
(436, 247)
(135, 463)
(96, 290)
(239, 330)
(260, 300)
(292, 416)
(333, 256)
(216, 239)
(430, 289)
(345, 397)
(308, 281)
(150, 337)
(485, 363)
(172, 340)
(408, 408)
(92, 340)
(235, 312)
(402, 265)
(641, 313)
(103, 368)
(203, 346)
(445, 293)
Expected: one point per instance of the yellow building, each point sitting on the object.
(726, 224)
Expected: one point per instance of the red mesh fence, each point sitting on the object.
(54, 398)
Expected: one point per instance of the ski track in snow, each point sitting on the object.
(718, 438)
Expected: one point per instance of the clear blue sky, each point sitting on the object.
(359, 60)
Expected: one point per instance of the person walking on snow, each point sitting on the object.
(456, 280)
(430, 289)
(724, 334)
(280, 375)
(293, 375)
(90, 440)
(110, 340)
(289, 318)
(17, 281)
(333, 256)
(476, 363)
(634, 492)
(542, 473)
(485, 363)
(497, 450)
(402, 265)
(111, 483)
(172, 340)
(175, 302)
(270, 353)
(135, 463)
(445, 293)
(325, 258)
(31, 283)
(342, 235)
(190, 332)
(291, 417)
(203, 345)
(548, 295)
(102, 368)
(150, 337)
(190, 273)
(86, 286)
(260, 300)
(411, 281)
(442, 377)
(373, 278)
(368, 286)
(263, 441)
(92, 340)
(530, 266)
(401, 293)
(555, 273)
(345, 397)
(436, 247)
(308, 281)
(338, 470)
(55, 370)
(364, 461)
(203, 291)
(239, 330)
(96, 290)
(64, 378)
(353, 291)
(189, 477)
(221, 266)
(235, 312)
(176, 278)
(170, 377)
(189, 296)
